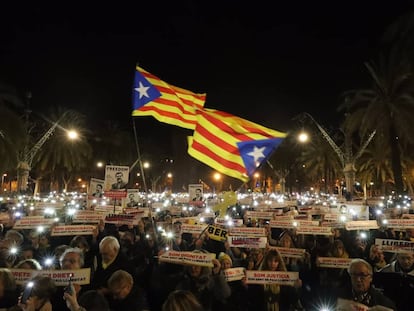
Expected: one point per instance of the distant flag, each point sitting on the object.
(231, 145)
(163, 101)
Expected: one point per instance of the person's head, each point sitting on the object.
(80, 241)
(273, 261)
(93, 300)
(99, 188)
(7, 282)
(127, 239)
(406, 261)
(119, 176)
(15, 236)
(30, 264)
(59, 250)
(27, 252)
(109, 249)
(120, 284)
(43, 240)
(338, 249)
(360, 272)
(181, 300)
(43, 290)
(72, 259)
(225, 261)
(376, 254)
(131, 197)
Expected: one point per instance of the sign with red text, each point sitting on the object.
(60, 277)
(234, 274)
(333, 262)
(361, 225)
(247, 242)
(290, 252)
(259, 215)
(395, 246)
(122, 219)
(400, 223)
(193, 229)
(248, 231)
(31, 222)
(314, 230)
(188, 258)
(271, 277)
(73, 230)
(88, 217)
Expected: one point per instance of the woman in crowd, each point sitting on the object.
(274, 297)
(181, 300)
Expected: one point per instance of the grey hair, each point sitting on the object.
(361, 261)
(111, 241)
(76, 251)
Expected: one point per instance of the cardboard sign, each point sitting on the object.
(88, 217)
(234, 274)
(188, 258)
(361, 225)
(122, 219)
(225, 222)
(350, 305)
(271, 277)
(60, 277)
(333, 262)
(290, 252)
(193, 229)
(395, 246)
(73, 230)
(217, 233)
(247, 242)
(400, 223)
(31, 222)
(259, 215)
(314, 230)
(248, 231)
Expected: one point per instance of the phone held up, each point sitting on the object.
(27, 292)
(69, 288)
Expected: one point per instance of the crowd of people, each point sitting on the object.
(126, 273)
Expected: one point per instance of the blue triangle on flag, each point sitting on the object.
(254, 152)
(143, 91)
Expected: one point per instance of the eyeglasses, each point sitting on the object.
(361, 276)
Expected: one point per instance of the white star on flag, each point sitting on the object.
(257, 153)
(142, 90)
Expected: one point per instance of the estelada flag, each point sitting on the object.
(165, 102)
(231, 145)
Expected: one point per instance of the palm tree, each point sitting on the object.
(62, 158)
(388, 105)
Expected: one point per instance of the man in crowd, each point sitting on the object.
(110, 260)
(397, 280)
(124, 294)
(361, 290)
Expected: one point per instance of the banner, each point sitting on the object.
(217, 233)
(314, 230)
(193, 229)
(60, 277)
(73, 230)
(88, 217)
(290, 252)
(122, 219)
(188, 258)
(32, 222)
(395, 246)
(248, 231)
(247, 242)
(333, 262)
(234, 274)
(271, 277)
(259, 215)
(361, 225)
(400, 223)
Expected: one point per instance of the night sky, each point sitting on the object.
(260, 62)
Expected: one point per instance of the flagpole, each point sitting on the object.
(139, 156)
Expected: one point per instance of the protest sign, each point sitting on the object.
(271, 277)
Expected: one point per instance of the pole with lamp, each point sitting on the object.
(346, 156)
